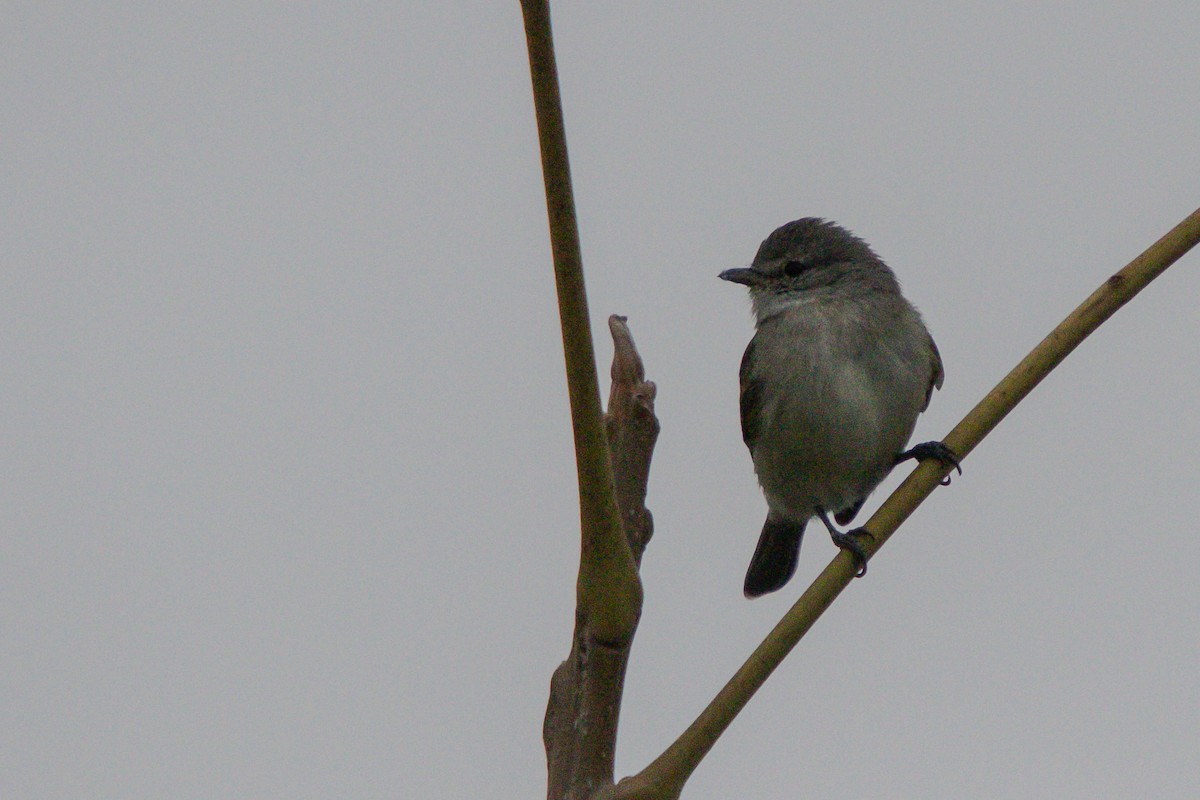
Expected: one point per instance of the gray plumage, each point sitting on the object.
(831, 384)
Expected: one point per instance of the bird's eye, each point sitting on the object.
(794, 268)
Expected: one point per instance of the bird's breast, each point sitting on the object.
(834, 414)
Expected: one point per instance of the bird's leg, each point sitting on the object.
(928, 450)
(849, 541)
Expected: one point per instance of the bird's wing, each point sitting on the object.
(937, 374)
(750, 397)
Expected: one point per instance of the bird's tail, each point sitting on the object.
(775, 558)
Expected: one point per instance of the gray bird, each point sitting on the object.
(831, 385)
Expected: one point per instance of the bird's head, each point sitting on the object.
(805, 255)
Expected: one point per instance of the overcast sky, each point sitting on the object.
(287, 503)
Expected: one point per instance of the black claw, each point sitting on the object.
(927, 450)
(849, 541)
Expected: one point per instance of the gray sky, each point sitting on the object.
(287, 506)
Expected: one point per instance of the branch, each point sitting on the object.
(580, 728)
(632, 431)
(666, 775)
(609, 590)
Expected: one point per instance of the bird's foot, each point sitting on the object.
(852, 541)
(927, 450)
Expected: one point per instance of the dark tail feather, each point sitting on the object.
(775, 557)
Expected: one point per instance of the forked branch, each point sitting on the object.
(580, 730)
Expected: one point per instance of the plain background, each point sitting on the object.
(287, 496)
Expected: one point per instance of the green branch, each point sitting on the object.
(609, 590)
(580, 729)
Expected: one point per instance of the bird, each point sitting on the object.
(831, 384)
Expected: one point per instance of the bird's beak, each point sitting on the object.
(742, 275)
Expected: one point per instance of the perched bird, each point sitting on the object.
(831, 385)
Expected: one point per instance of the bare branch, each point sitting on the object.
(609, 590)
(580, 729)
(632, 431)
